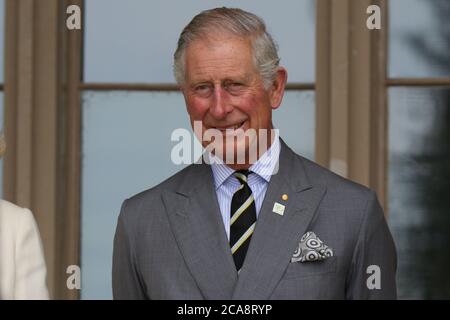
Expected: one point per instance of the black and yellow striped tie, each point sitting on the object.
(243, 219)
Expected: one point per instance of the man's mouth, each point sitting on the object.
(231, 128)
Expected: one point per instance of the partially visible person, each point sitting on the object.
(22, 265)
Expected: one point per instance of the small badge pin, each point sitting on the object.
(278, 208)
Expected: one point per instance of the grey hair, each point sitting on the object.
(233, 21)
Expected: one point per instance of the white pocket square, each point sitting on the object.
(311, 248)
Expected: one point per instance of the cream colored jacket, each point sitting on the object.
(22, 264)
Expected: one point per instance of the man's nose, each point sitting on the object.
(220, 106)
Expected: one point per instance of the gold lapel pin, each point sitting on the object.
(284, 197)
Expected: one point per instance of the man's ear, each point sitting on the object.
(276, 91)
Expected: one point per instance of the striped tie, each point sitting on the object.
(243, 219)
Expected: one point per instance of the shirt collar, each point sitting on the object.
(263, 167)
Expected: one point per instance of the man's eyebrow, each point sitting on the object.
(241, 78)
(194, 83)
(232, 78)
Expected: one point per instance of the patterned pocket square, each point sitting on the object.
(311, 248)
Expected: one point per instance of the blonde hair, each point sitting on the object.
(2, 144)
(232, 21)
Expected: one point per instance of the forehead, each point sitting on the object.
(219, 54)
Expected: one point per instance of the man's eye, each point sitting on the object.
(235, 86)
(202, 88)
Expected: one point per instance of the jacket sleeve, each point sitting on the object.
(126, 284)
(373, 270)
(31, 272)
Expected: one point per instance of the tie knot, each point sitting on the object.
(242, 175)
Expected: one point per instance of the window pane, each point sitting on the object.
(135, 41)
(419, 38)
(296, 121)
(419, 180)
(126, 149)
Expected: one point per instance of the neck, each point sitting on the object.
(260, 151)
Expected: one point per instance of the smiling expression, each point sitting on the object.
(225, 91)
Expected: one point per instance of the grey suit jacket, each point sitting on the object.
(170, 241)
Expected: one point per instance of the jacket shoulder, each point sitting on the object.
(13, 215)
(170, 183)
(335, 184)
(137, 205)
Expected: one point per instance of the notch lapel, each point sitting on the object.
(194, 215)
(276, 236)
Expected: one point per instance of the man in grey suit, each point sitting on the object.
(279, 227)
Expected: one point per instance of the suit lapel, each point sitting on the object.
(198, 228)
(276, 236)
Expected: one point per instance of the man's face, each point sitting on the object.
(224, 90)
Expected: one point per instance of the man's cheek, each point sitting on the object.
(197, 110)
(194, 112)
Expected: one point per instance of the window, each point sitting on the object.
(419, 146)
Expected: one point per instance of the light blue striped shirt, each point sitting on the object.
(226, 184)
